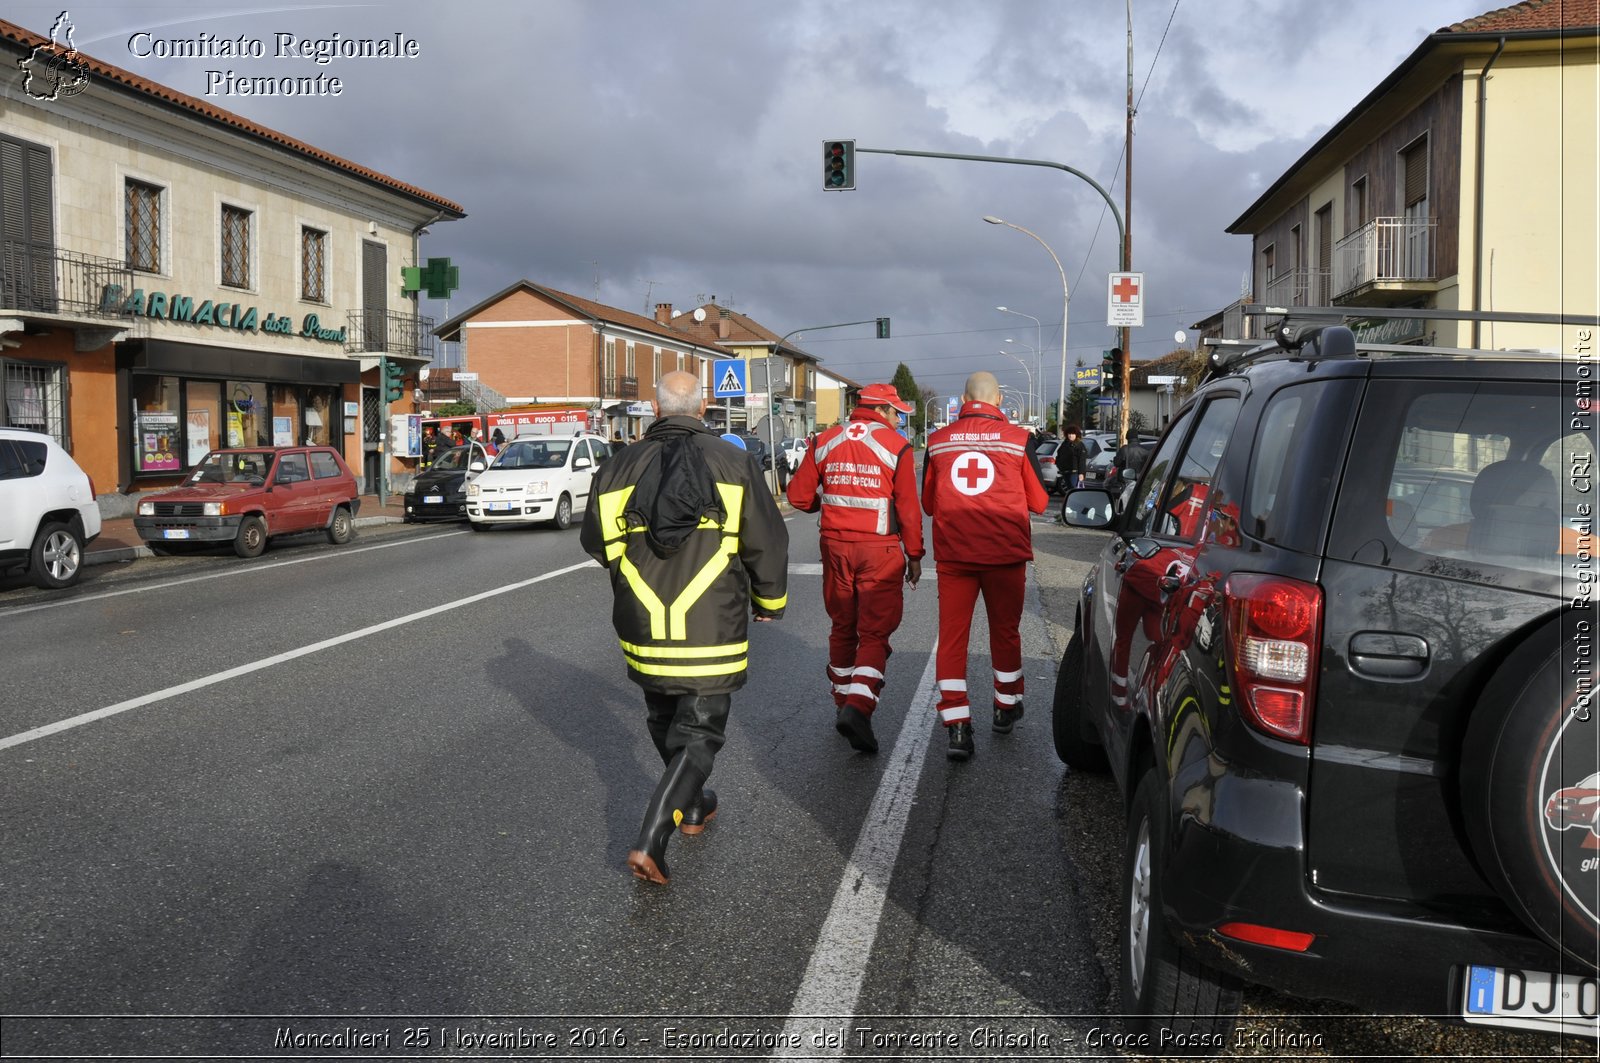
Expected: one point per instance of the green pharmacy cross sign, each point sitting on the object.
(439, 279)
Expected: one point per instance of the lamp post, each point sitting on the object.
(1066, 302)
(1038, 408)
(927, 417)
(1025, 369)
(1038, 350)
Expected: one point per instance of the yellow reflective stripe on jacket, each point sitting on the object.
(670, 621)
(685, 651)
(773, 604)
(724, 668)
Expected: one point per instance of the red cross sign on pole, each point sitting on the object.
(1125, 300)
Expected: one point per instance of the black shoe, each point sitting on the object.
(857, 727)
(960, 740)
(1005, 719)
(701, 811)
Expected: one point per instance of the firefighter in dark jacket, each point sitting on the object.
(694, 545)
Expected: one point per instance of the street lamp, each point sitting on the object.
(1066, 302)
(1025, 369)
(1039, 365)
(1038, 351)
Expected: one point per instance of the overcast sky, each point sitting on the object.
(670, 150)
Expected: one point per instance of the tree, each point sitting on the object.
(905, 385)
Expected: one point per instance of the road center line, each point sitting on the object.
(275, 659)
(838, 967)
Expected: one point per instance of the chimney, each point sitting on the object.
(663, 313)
(724, 323)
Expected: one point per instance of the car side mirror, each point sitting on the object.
(477, 466)
(1087, 507)
(581, 463)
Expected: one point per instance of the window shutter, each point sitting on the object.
(1416, 167)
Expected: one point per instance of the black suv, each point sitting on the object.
(1338, 656)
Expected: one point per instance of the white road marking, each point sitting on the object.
(814, 568)
(832, 982)
(275, 659)
(242, 570)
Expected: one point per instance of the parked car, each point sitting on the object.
(247, 496)
(47, 509)
(1349, 754)
(757, 446)
(536, 479)
(793, 451)
(1046, 453)
(439, 492)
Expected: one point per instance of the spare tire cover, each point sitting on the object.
(1530, 786)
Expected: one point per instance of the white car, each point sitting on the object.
(794, 451)
(536, 479)
(47, 509)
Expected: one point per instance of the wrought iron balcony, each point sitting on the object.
(620, 387)
(1300, 287)
(41, 279)
(388, 332)
(1385, 250)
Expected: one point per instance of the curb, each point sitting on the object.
(133, 553)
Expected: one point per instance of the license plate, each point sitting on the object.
(499, 507)
(175, 533)
(1532, 1000)
(433, 500)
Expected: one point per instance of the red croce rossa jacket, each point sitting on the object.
(863, 478)
(979, 486)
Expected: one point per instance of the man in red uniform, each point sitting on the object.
(863, 478)
(979, 483)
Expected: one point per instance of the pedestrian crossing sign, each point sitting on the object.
(729, 377)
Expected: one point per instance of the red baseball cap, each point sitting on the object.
(883, 395)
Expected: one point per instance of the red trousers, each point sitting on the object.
(1003, 588)
(861, 590)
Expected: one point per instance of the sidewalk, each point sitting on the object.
(119, 542)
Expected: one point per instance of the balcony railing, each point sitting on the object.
(42, 279)
(388, 332)
(1386, 249)
(1300, 287)
(620, 387)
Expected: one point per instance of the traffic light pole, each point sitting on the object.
(384, 428)
(1122, 230)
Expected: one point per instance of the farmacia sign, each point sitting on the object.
(218, 315)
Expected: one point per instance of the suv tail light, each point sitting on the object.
(1274, 632)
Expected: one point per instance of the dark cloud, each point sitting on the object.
(674, 149)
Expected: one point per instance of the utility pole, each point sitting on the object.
(1127, 236)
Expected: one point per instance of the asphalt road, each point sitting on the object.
(375, 800)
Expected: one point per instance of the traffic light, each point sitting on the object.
(394, 381)
(883, 328)
(1111, 374)
(838, 165)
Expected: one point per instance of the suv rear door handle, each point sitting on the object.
(1388, 655)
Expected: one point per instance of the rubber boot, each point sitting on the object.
(701, 811)
(679, 785)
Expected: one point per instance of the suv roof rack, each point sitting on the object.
(1325, 339)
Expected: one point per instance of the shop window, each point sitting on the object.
(202, 419)
(157, 445)
(247, 417)
(313, 265)
(33, 396)
(143, 227)
(285, 416)
(235, 247)
(322, 411)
